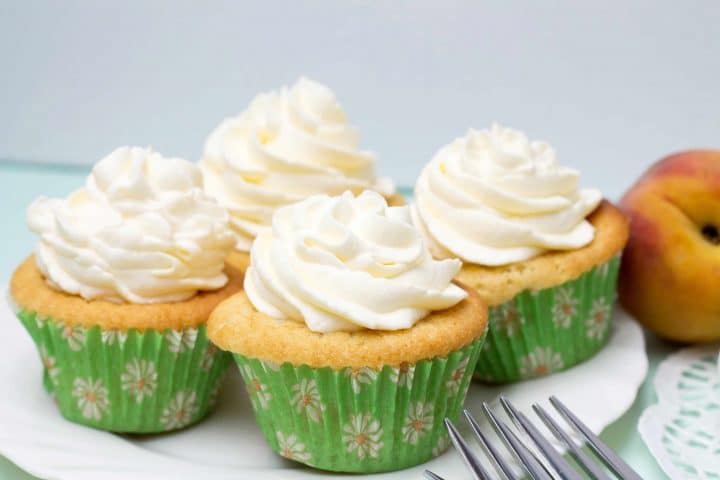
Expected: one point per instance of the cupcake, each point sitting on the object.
(542, 252)
(286, 146)
(353, 342)
(116, 297)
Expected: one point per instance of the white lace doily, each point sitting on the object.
(682, 431)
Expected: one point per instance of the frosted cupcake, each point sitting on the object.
(125, 275)
(286, 146)
(541, 251)
(353, 342)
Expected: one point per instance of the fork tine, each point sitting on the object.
(580, 457)
(464, 450)
(535, 469)
(495, 424)
(431, 476)
(610, 458)
(521, 452)
(563, 468)
(489, 448)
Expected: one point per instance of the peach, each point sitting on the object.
(670, 272)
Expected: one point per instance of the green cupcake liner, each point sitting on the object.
(128, 381)
(545, 331)
(359, 420)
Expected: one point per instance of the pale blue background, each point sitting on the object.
(613, 85)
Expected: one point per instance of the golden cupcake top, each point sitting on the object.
(348, 263)
(236, 326)
(497, 285)
(286, 146)
(494, 197)
(141, 230)
(30, 291)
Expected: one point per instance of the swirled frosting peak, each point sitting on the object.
(286, 146)
(348, 263)
(493, 197)
(141, 230)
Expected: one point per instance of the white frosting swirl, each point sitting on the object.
(348, 263)
(494, 198)
(285, 147)
(142, 230)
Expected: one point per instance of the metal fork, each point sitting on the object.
(543, 462)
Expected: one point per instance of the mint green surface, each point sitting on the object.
(22, 184)
(128, 381)
(539, 332)
(361, 420)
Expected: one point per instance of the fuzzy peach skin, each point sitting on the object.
(670, 272)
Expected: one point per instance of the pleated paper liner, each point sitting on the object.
(359, 420)
(128, 381)
(544, 331)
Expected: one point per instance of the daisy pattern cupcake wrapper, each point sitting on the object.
(128, 381)
(541, 332)
(360, 420)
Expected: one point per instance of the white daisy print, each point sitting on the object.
(257, 390)
(50, 365)
(403, 375)
(92, 397)
(215, 392)
(508, 319)
(363, 436)
(564, 308)
(442, 444)
(111, 337)
(359, 377)
(307, 398)
(180, 411)
(271, 366)
(75, 336)
(208, 358)
(540, 362)
(418, 422)
(181, 340)
(453, 384)
(602, 270)
(40, 320)
(291, 448)
(139, 379)
(599, 319)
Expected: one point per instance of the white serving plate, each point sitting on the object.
(228, 445)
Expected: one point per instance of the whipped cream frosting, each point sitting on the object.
(493, 197)
(286, 146)
(142, 230)
(348, 263)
